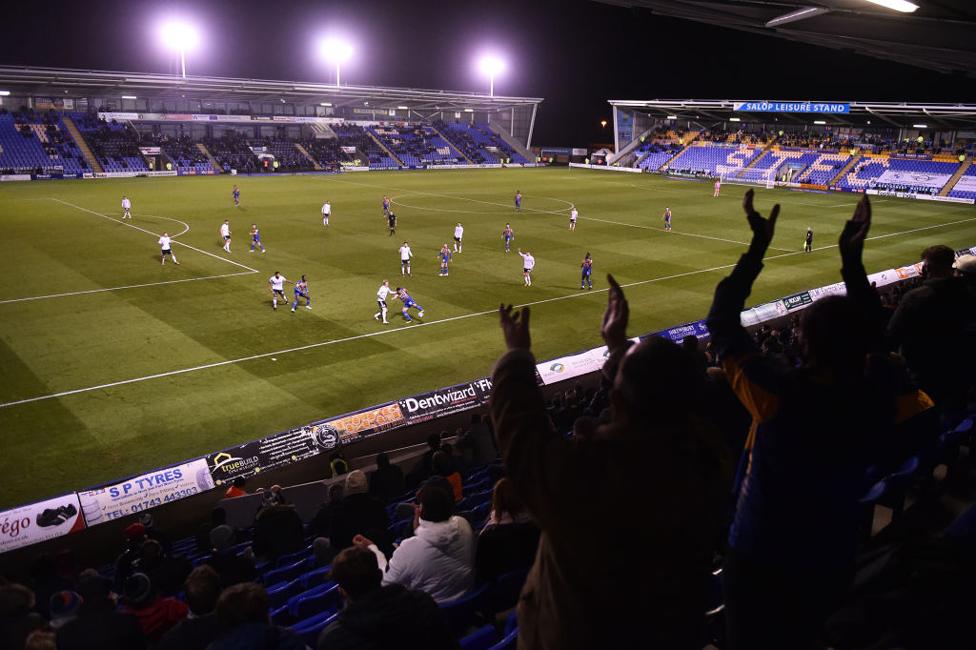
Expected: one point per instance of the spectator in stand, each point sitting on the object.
(935, 329)
(386, 483)
(155, 613)
(43, 639)
(149, 523)
(99, 624)
(360, 514)
(166, 572)
(236, 489)
(17, 616)
(439, 558)
(376, 616)
(321, 525)
(338, 464)
(476, 446)
(245, 622)
(584, 427)
(510, 539)
(199, 628)
(792, 544)
(230, 567)
(278, 530)
(322, 551)
(443, 467)
(64, 607)
(135, 537)
(653, 460)
(218, 517)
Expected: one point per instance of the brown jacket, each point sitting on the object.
(629, 523)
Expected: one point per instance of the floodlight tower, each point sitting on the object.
(337, 51)
(180, 36)
(490, 66)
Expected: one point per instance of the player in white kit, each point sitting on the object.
(277, 282)
(528, 263)
(405, 255)
(573, 216)
(126, 208)
(166, 248)
(381, 295)
(326, 211)
(225, 234)
(458, 234)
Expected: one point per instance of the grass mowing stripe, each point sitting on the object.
(69, 294)
(149, 232)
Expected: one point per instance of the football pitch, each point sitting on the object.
(113, 364)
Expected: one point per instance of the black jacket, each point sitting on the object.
(390, 617)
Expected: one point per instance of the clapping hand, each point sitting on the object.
(851, 242)
(762, 228)
(614, 329)
(515, 327)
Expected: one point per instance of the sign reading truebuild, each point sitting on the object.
(446, 401)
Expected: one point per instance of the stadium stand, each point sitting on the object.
(184, 154)
(914, 174)
(479, 142)
(704, 157)
(417, 145)
(960, 193)
(231, 152)
(115, 145)
(824, 168)
(31, 142)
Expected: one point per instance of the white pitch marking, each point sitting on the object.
(68, 294)
(154, 234)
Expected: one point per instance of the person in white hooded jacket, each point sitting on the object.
(439, 558)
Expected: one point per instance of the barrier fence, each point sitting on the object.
(70, 513)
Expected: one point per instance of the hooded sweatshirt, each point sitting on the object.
(438, 559)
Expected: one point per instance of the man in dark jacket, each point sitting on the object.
(278, 530)
(650, 480)
(199, 628)
(375, 617)
(245, 622)
(934, 327)
(99, 624)
(360, 514)
(476, 445)
(386, 483)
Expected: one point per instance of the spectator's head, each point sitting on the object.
(95, 591)
(966, 267)
(833, 336)
(357, 572)
(584, 427)
(202, 589)
(336, 492)
(16, 600)
(64, 606)
(138, 590)
(504, 500)
(218, 517)
(147, 520)
(222, 538)
(239, 482)
(434, 442)
(690, 343)
(135, 534)
(436, 503)
(242, 603)
(356, 482)
(937, 261)
(382, 460)
(658, 382)
(322, 550)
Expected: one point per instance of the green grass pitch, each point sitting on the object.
(128, 365)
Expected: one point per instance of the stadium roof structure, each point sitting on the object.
(860, 114)
(940, 35)
(59, 82)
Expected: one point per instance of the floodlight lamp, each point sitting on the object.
(491, 65)
(734, 119)
(603, 123)
(672, 117)
(920, 126)
(129, 97)
(180, 35)
(819, 122)
(903, 6)
(4, 93)
(335, 49)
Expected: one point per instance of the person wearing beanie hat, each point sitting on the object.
(156, 614)
(64, 606)
(359, 513)
(230, 567)
(98, 623)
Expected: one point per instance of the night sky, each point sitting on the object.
(574, 53)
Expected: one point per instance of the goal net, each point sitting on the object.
(740, 176)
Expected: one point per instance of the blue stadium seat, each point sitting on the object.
(311, 628)
(286, 573)
(307, 605)
(462, 612)
(897, 484)
(867, 502)
(315, 576)
(481, 639)
(279, 594)
(508, 643)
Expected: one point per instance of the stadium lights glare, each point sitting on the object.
(180, 36)
(799, 14)
(129, 97)
(898, 5)
(327, 104)
(403, 108)
(672, 117)
(734, 119)
(469, 110)
(491, 65)
(920, 126)
(336, 50)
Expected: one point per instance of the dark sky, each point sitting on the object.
(574, 53)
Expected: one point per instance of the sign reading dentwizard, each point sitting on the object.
(767, 106)
(146, 491)
(41, 521)
(446, 401)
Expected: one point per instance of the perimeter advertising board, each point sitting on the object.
(37, 522)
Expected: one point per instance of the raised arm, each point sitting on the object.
(851, 245)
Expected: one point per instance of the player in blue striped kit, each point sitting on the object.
(301, 291)
(408, 303)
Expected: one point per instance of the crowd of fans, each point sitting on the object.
(739, 466)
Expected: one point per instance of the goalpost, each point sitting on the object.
(740, 176)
